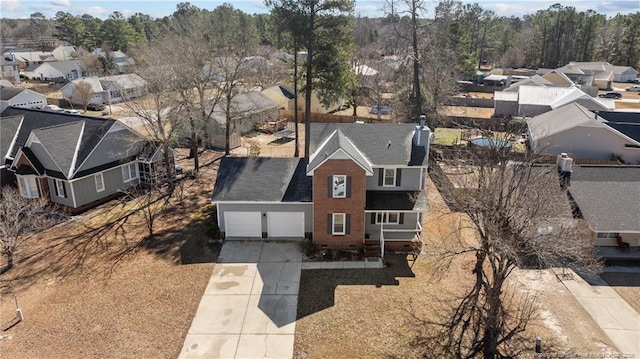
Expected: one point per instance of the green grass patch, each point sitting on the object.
(447, 136)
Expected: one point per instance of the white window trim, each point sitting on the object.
(100, 182)
(333, 190)
(607, 235)
(333, 223)
(59, 188)
(126, 172)
(25, 191)
(385, 217)
(384, 177)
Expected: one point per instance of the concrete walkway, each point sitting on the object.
(250, 305)
(611, 312)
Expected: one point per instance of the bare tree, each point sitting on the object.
(20, 219)
(82, 94)
(518, 216)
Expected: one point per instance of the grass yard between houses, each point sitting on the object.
(376, 313)
(111, 296)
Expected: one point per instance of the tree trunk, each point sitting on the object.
(194, 145)
(9, 265)
(417, 95)
(309, 80)
(296, 152)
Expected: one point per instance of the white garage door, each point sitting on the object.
(243, 224)
(285, 224)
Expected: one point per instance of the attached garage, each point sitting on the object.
(285, 224)
(243, 224)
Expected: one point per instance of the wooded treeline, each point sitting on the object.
(547, 38)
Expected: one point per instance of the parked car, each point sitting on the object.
(635, 88)
(72, 112)
(634, 81)
(95, 107)
(52, 108)
(616, 95)
(380, 110)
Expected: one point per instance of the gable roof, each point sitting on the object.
(244, 104)
(262, 179)
(65, 66)
(381, 144)
(535, 80)
(7, 93)
(336, 142)
(608, 197)
(562, 119)
(69, 139)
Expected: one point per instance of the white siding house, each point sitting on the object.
(19, 97)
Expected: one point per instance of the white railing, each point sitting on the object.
(381, 241)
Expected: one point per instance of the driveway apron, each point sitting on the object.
(249, 307)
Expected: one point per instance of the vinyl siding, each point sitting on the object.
(409, 180)
(409, 222)
(54, 198)
(85, 188)
(264, 208)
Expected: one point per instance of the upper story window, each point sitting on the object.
(389, 177)
(339, 184)
(129, 172)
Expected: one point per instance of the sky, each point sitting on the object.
(365, 8)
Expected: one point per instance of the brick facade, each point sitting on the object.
(323, 204)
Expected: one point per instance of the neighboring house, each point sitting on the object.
(63, 53)
(363, 186)
(281, 94)
(601, 74)
(118, 58)
(110, 88)
(26, 57)
(575, 130)
(316, 104)
(9, 69)
(247, 110)
(529, 101)
(75, 161)
(608, 198)
(52, 70)
(20, 97)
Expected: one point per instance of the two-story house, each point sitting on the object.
(363, 183)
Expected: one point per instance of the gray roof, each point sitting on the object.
(617, 116)
(338, 141)
(262, 179)
(631, 130)
(60, 134)
(244, 104)
(562, 119)
(397, 200)
(608, 197)
(8, 127)
(65, 66)
(381, 144)
(7, 93)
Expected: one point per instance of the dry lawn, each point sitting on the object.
(376, 313)
(113, 295)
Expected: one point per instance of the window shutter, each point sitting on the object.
(330, 186)
(64, 189)
(398, 177)
(329, 223)
(380, 177)
(373, 217)
(347, 223)
(401, 218)
(55, 186)
(348, 185)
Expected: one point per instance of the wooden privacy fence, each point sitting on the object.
(328, 118)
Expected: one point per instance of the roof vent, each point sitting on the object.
(389, 144)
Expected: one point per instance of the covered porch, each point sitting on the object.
(393, 221)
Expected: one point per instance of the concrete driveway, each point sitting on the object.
(249, 307)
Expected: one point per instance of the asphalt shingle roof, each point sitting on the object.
(381, 144)
(8, 127)
(630, 129)
(7, 93)
(58, 133)
(335, 142)
(262, 179)
(397, 200)
(608, 197)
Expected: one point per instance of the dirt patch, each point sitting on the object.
(112, 295)
(627, 285)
